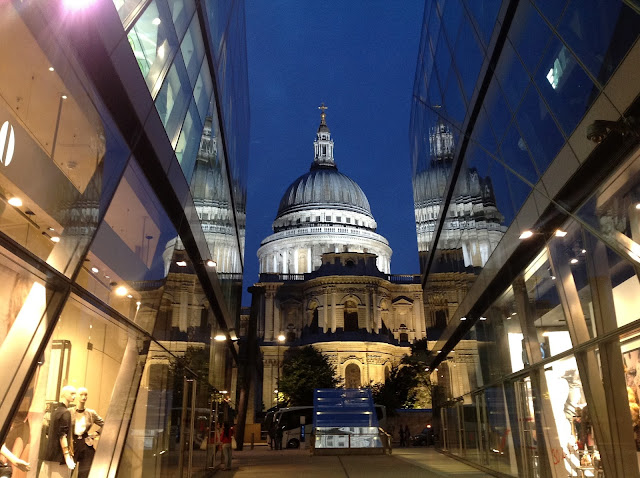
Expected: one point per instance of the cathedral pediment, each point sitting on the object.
(402, 300)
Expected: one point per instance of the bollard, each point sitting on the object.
(252, 440)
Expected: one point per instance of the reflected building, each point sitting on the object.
(324, 281)
(122, 216)
(525, 171)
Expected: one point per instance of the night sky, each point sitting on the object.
(359, 58)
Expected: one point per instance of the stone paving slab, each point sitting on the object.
(404, 463)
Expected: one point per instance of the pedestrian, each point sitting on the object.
(401, 436)
(225, 439)
(407, 435)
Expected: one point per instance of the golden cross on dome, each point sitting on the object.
(323, 115)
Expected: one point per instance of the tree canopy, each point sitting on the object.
(303, 370)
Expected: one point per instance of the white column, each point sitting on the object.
(268, 320)
(367, 314)
(277, 321)
(325, 325)
(376, 313)
(309, 261)
(333, 311)
(285, 262)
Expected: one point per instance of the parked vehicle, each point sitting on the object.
(424, 438)
(288, 422)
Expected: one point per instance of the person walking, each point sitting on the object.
(225, 439)
(401, 436)
(407, 436)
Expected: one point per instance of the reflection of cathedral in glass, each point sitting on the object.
(474, 224)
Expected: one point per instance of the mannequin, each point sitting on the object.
(82, 420)
(58, 457)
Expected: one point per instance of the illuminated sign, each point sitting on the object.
(7, 137)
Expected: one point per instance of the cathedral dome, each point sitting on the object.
(324, 186)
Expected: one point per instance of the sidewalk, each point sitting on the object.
(404, 463)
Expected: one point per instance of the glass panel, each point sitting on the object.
(545, 314)
(529, 35)
(497, 110)
(189, 140)
(153, 41)
(126, 7)
(130, 253)
(79, 370)
(552, 9)
(484, 13)
(202, 91)
(181, 11)
(49, 124)
(173, 99)
(564, 84)
(512, 76)
(469, 57)
(539, 130)
(600, 34)
(515, 155)
(192, 49)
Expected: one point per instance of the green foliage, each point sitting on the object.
(304, 370)
(408, 385)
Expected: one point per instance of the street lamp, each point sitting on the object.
(281, 338)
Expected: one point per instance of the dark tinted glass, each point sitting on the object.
(513, 78)
(516, 155)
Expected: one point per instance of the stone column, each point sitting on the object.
(376, 312)
(333, 310)
(325, 324)
(309, 261)
(268, 319)
(285, 262)
(367, 313)
(277, 321)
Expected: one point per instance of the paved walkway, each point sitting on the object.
(404, 463)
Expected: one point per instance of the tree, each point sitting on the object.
(304, 370)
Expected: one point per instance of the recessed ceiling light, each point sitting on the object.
(130, 296)
(95, 270)
(211, 263)
(463, 318)
(121, 291)
(574, 261)
(181, 263)
(584, 251)
(553, 277)
(560, 233)
(64, 97)
(220, 338)
(156, 21)
(51, 229)
(513, 313)
(107, 277)
(55, 239)
(14, 201)
(51, 68)
(483, 318)
(526, 234)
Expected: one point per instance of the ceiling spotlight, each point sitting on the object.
(95, 270)
(55, 239)
(463, 318)
(483, 318)
(526, 234)
(181, 263)
(129, 296)
(553, 277)
(64, 97)
(14, 201)
(514, 313)
(107, 277)
(220, 338)
(584, 251)
(51, 229)
(51, 68)
(211, 263)
(560, 233)
(156, 21)
(574, 261)
(223, 392)
(121, 291)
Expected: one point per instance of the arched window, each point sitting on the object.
(350, 316)
(352, 376)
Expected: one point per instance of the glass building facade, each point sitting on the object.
(124, 131)
(525, 145)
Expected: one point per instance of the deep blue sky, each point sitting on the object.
(359, 57)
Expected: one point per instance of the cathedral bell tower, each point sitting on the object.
(323, 144)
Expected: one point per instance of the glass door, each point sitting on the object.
(187, 428)
(527, 429)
